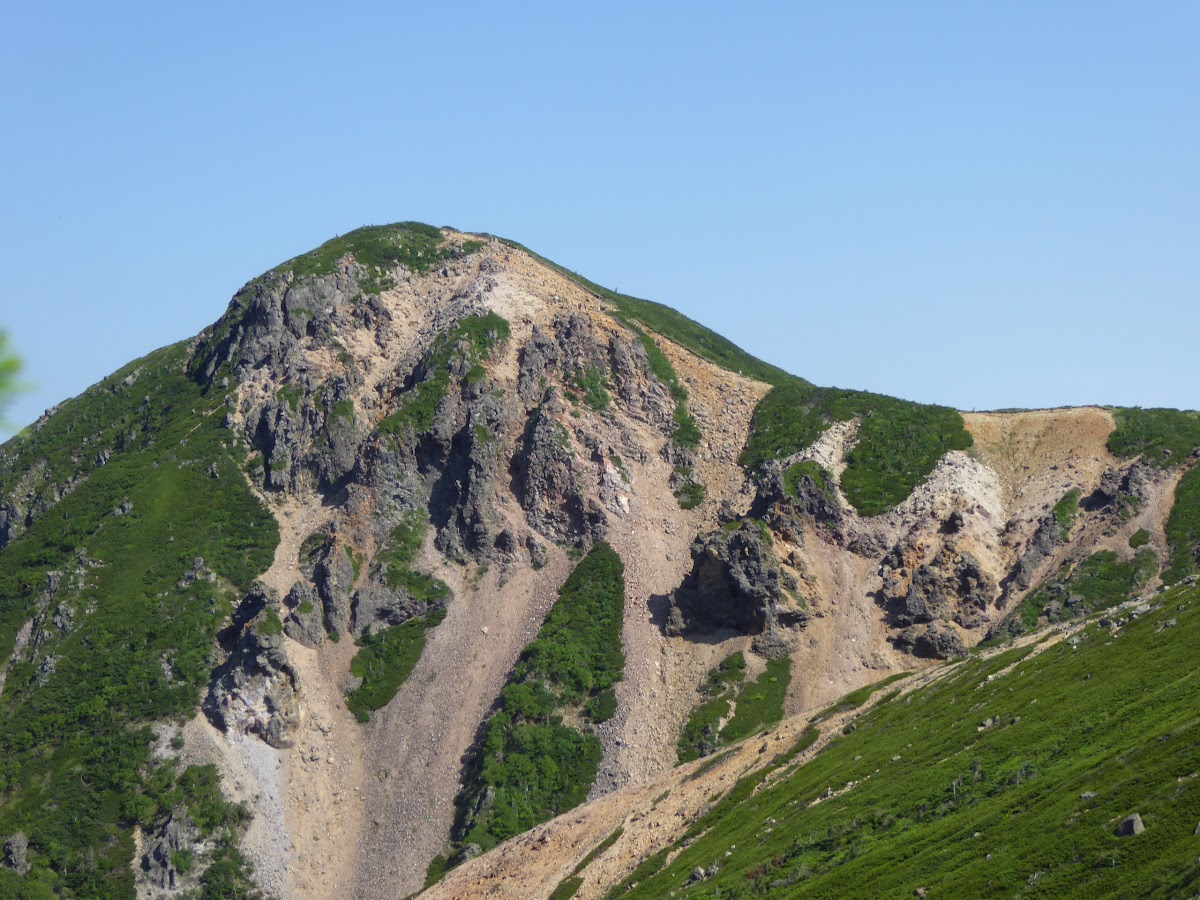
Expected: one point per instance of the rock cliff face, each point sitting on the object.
(439, 423)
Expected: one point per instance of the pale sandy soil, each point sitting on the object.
(1039, 455)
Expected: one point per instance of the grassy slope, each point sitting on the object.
(75, 747)
(900, 442)
(1003, 811)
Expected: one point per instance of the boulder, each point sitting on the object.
(735, 582)
(1130, 826)
(16, 853)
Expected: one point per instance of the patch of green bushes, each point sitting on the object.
(1183, 529)
(413, 245)
(533, 763)
(1162, 437)
(1102, 580)
(1139, 538)
(592, 384)
(700, 735)
(690, 494)
(899, 443)
(756, 705)
(385, 661)
(289, 394)
(761, 701)
(1066, 511)
(856, 699)
(395, 559)
(481, 335)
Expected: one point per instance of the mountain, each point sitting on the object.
(432, 562)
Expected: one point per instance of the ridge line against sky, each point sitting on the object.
(982, 207)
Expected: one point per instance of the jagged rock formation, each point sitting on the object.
(736, 583)
(255, 691)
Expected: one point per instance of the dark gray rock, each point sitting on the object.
(936, 641)
(305, 623)
(334, 579)
(538, 557)
(772, 644)
(1130, 826)
(255, 690)
(952, 585)
(539, 360)
(157, 862)
(16, 853)
(546, 485)
(1047, 537)
(735, 582)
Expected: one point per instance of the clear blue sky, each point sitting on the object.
(982, 205)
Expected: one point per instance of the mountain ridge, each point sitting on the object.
(528, 415)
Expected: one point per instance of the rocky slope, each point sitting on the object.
(437, 425)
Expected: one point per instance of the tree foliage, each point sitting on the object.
(539, 756)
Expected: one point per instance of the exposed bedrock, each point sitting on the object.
(735, 583)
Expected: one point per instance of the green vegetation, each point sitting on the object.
(567, 888)
(535, 764)
(674, 325)
(413, 245)
(761, 701)
(1162, 437)
(756, 705)
(634, 314)
(10, 366)
(593, 386)
(481, 335)
(686, 433)
(1139, 538)
(196, 791)
(570, 885)
(855, 699)
(438, 866)
(1183, 529)
(386, 660)
(1010, 786)
(1100, 581)
(289, 394)
(899, 443)
(700, 735)
(819, 475)
(135, 647)
(690, 494)
(1066, 511)
(396, 559)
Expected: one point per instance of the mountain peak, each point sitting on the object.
(429, 535)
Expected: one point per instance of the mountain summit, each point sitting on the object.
(428, 541)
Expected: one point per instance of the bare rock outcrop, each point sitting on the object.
(735, 583)
(160, 862)
(546, 485)
(255, 691)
